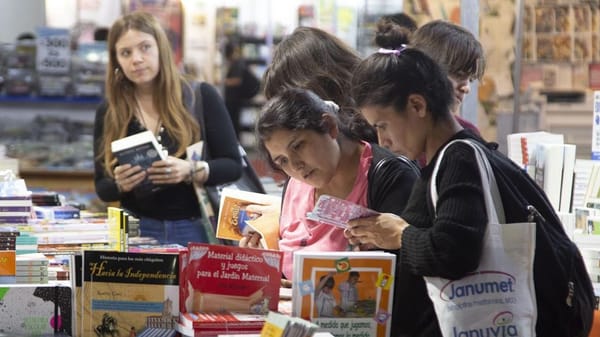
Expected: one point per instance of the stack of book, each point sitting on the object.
(32, 268)
(8, 271)
(278, 325)
(45, 198)
(15, 209)
(72, 235)
(217, 323)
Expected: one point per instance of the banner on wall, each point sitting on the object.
(170, 15)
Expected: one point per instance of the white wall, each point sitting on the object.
(18, 16)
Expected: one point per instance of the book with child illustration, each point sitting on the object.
(345, 293)
(337, 212)
(235, 221)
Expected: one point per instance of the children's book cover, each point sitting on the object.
(125, 293)
(235, 220)
(219, 277)
(345, 293)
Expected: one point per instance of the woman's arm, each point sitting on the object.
(106, 187)
(225, 162)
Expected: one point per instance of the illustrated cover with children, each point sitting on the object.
(125, 293)
(345, 293)
(235, 221)
(218, 277)
(337, 212)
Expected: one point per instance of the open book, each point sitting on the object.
(235, 221)
(337, 212)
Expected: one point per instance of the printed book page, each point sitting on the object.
(337, 212)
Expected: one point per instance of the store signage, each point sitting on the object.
(53, 55)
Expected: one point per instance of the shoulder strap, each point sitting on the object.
(488, 180)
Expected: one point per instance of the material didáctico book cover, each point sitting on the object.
(235, 221)
(124, 293)
(337, 212)
(345, 293)
(218, 277)
(139, 149)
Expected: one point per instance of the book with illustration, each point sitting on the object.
(37, 310)
(214, 278)
(235, 221)
(345, 293)
(337, 212)
(124, 293)
(140, 149)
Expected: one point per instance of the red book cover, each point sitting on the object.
(222, 321)
(215, 278)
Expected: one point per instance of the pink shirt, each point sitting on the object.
(299, 233)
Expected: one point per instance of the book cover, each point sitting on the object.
(140, 149)
(35, 310)
(345, 293)
(56, 212)
(219, 277)
(8, 266)
(337, 212)
(128, 292)
(235, 221)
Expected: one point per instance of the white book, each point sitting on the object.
(583, 173)
(521, 146)
(566, 191)
(549, 170)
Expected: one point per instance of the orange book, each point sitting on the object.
(235, 221)
(8, 266)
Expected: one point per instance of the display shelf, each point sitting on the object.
(49, 99)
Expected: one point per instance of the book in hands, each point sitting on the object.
(139, 149)
(337, 212)
(235, 221)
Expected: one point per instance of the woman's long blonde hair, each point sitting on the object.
(167, 92)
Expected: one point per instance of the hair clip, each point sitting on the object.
(332, 105)
(392, 51)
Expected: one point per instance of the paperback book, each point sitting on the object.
(337, 212)
(139, 149)
(235, 221)
(214, 278)
(345, 293)
(124, 293)
(36, 310)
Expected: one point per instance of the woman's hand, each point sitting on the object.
(127, 177)
(251, 240)
(383, 231)
(172, 170)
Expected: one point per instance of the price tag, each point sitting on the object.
(53, 55)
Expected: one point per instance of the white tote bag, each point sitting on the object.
(497, 299)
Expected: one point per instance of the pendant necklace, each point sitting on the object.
(159, 127)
